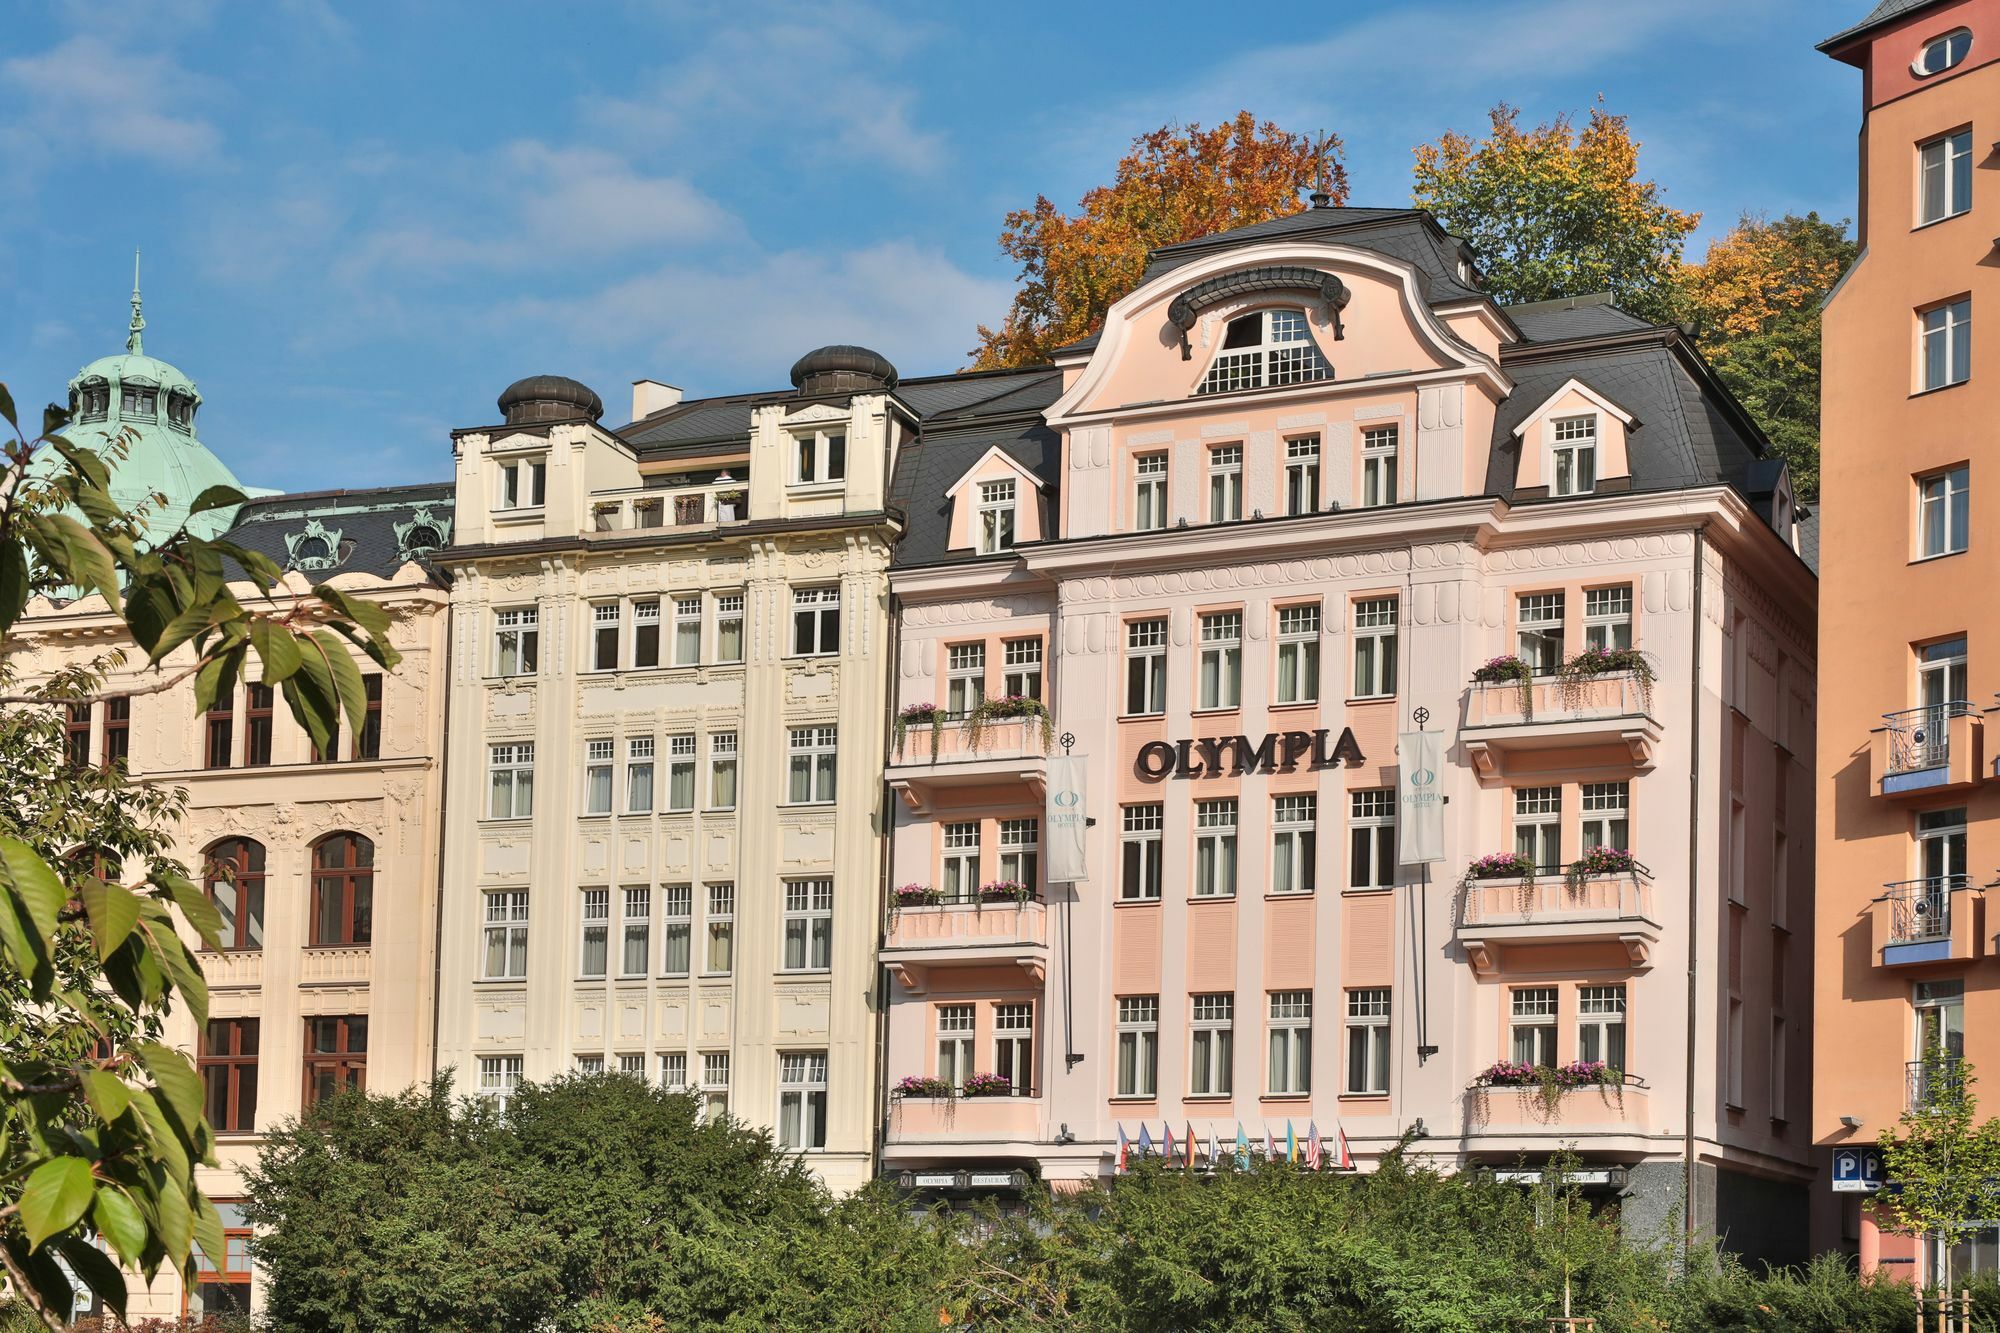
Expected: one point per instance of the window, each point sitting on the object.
(721, 930)
(677, 925)
(729, 627)
(1607, 618)
(1600, 1025)
(597, 776)
(1375, 648)
(1294, 853)
(1538, 631)
(95, 401)
(1149, 492)
(1145, 667)
(1371, 833)
(996, 516)
(1941, 676)
(522, 482)
(1138, 1045)
(228, 1061)
(510, 771)
(1267, 347)
(646, 632)
(1014, 1046)
(1604, 818)
(1212, 1045)
(1020, 851)
(965, 677)
(117, 730)
(954, 1050)
(257, 713)
(368, 740)
(1941, 53)
(223, 1288)
(636, 939)
(517, 641)
(674, 1071)
(1215, 849)
(1779, 1058)
(506, 933)
(76, 735)
(1298, 654)
(1142, 852)
(714, 1083)
(639, 775)
(1573, 455)
(1538, 826)
(336, 1057)
(1368, 1041)
(1378, 466)
(499, 1076)
(219, 735)
(814, 751)
(960, 878)
(234, 882)
(343, 890)
(687, 631)
(1532, 1030)
(815, 621)
(1022, 663)
(1291, 1042)
(1947, 344)
(594, 956)
(1941, 844)
(1944, 171)
(680, 773)
(605, 618)
(1944, 504)
(802, 1101)
(808, 925)
(1302, 475)
(632, 1066)
(1222, 660)
(722, 771)
(1225, 483)
(820, 456)
(138, 400)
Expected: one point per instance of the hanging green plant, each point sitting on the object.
(1496, 670)
(1599, 861)
(919, 715)
(1575, 675)
(1008, 708)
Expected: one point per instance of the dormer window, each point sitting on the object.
(1941, 53)
(180, 411)
(94, 401)
(996, 516)
(139, 401)
(1573, 455)
(521, 483)
(821, 458)
(1266, 349)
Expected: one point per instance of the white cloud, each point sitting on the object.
(87, 93)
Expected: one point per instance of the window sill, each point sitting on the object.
(595, 814)
(1209, 1097)
(1941, 388)
(810, 488)
(716, 810)
(807, 972)
(521, 820)
(1136, 902)
(1275, 897)
(1211, 898)
(325, 947)
(714, 976)
(1135, 1099)
(1367, 891)
(1364, 1096)
(500, 981)
(1938, 222)
(1215, 709)
(518, 675)
(1285, 1097)
(1143, 717)
(807, 805)
(1292, 706)
(1941, 555)
(682, 977)
(519, 513)
(1354, 699)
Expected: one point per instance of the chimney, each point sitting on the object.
(650, 396)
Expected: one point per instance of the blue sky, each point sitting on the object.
(361, 221)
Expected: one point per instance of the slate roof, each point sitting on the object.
(1885, 12)
(1571, 317)
(1409, 234)
(365, 518)
(1808, 529)
(925, 473)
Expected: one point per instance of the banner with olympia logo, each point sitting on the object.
(1065, 822)
(1420, 806)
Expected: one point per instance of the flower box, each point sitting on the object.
(1007, 708)
(1501, 865)
(1005, 891)
(1603, 861)
(1498, 669)
(920, 1085)
(917, 895)
(986, 1085)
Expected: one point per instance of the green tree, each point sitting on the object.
(1942, 1161)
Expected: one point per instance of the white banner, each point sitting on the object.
(1419, 803)
(1064, 858)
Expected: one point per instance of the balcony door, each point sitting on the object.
(1941, 674)
(1940, 1019)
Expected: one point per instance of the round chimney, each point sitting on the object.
(548, 398)
(843, 368)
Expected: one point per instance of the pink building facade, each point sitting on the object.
(1307, 481)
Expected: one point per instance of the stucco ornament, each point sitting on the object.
(317, 547)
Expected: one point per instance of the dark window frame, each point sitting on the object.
(259, 723)
(229, 1075)
(243, 860)
(345, 1059)
(352, 877)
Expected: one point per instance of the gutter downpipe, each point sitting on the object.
(886, 849)
(1693, 897)
(443, 804)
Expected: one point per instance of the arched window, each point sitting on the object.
(233, 878)
(1263, 349)
(343, 889)
(1941, 53)
(423, 537)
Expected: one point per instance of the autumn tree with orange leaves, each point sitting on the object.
(1177, 183)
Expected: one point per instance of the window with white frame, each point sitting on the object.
(676, 929)
(1021, 664)
(605, 619)
(594, 957)
(1607, 618)
(1266, 348)
(1021, 851)
(636, 939)
(1605, 823)
(1941, 53)
(1290, 1066)
(995, 517)
(632, 1065)
(1149, 492)
(590, 1064)
(1944, 172)
(1947, 344)
(1368, 1041)
(1221, 660)
(499, 1076)
(808, 925)
(721, 959)
(802, 1101)
(1212, 1045)
(729, 627)
(1538, 631)
(1371, 838)
(1600, 1025)
(523, 482)
(687, 631)
(1145, 667)
(811, 766)
(680, 772)
(964, 677)
(959, 881)
(1302, 475)
(1532, 1026)
(1142, 852)
(1573, 455)
(722, 770)
(1538, 826)
(517, 640)
(714, 1084)
(819, 457)
(646, 633)
(1941, 844)
(1215, 848)
(1298, 654)
(1014, 1046)
(954, 1042)
(1378, 466)
(1225, 483)
(815, 622)
(1375, 648)
(1294, 843)
(1138, 1045)
(597, 756)
(639, 775)
(510, 780)
(1941, 679)
(1944, 511)
(674, 1071)
(506, 935)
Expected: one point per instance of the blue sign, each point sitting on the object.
(1857, 1170)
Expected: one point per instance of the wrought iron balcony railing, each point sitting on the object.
(1920, 909)
(1935, 1083)
(1920, 738)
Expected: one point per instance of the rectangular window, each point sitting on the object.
(219, 733)
(1378, 466)
(674, 1071)
(1779, 1056)
(1538, 631)
(1532, 1026)
(1368, 1041)
(1142, 852)
(1941, 677)
(517, 641)
(729, 627)
(368, 740)
(714, 1084)
(636, 933)
(646, 633)
(1225, 483)
(1538, 827)
(965, 678)
(506, 935)
(117, 730)
(954, 1042)
(1607, 618)
(258, 709)
(1014, 1046)
(1947, 338)
(815, 622)
(1215, 849)
(1138, 1045)
(594, 954)
(1294, 844)
(1944, 511)
(228, 1062)
(639, 775)
(510, 774)
(1573, 455)
(592, 1064)
(1021, 851)
(813, 755)
(76, 735)
(1302, 475)
(1298, 654)
(721, 958)
(1371, 833)
(821, 456)
(722, 770)
(808, 925)
(522, 483)
(223, 1288)
(1941, 844)
(597, 776)
(996, 516)
(1212, 1045)
(1604, 815)
(960, 878)
(1375, 648)
(1222, 660)
(1600, 1025)
(499, 1076)
(331, 750)
(687, 631)
(802, 1101)
(233, 879)
(1022, 663)
(1945, 177)
(1149, 492)
(336, 1057)
(605, 619)
(632, 1066)
(680, 773)
(1145, 667)
(677, 929)
(1291, 1042)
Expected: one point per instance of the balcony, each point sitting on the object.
(1924, 750)
(638, 510)
(232, 969)
(1935, 920)
(1608, 711)
(1596, 1109)
(1554, 909)
(932, 761)
(921, 938)
(336, 965)
(1935, 1084)
(982, 1125)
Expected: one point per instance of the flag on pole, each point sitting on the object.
(1343, 1158)
(1242, 1149)
(1312, 1146)
(1187, 1145)
(1124, 1146)
(1291, 1143)
(1270, 1144)
(1212, 1158)
(1167, 1152)
(1145, 1139)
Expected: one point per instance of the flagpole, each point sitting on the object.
(1422, 716)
